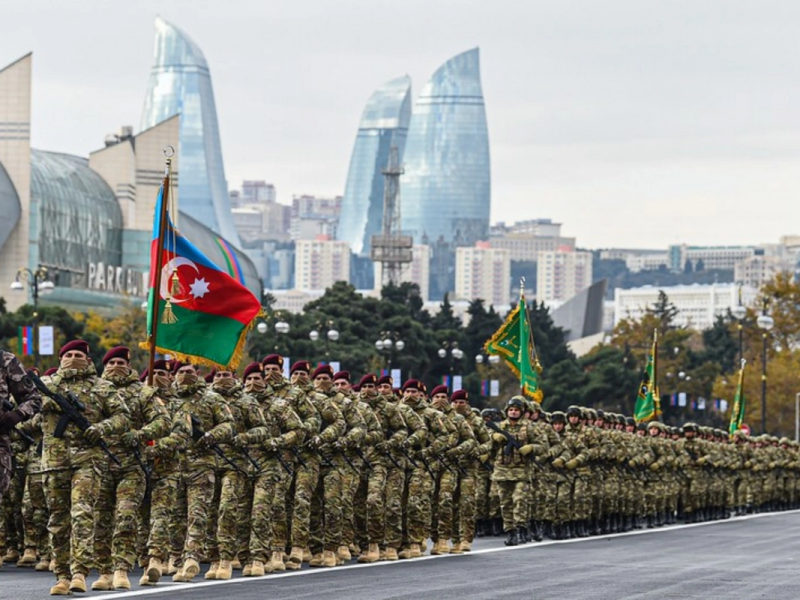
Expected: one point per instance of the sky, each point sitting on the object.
(635, 123)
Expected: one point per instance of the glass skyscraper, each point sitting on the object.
(384, 123)
(446, 185)
(180, 82)
(446, 188)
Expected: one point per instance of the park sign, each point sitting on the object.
(116, 280)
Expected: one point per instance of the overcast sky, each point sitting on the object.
(635, 123)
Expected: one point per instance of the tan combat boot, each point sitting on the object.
(78, 583)
(373, 554)
(121, 581)
(11, 556)
(212, 570)
(172, 566)
(276, 561)
(466, 546)
(154, 570)
(328, 558)
(391, 554)
(415, 551)
(316, 561)
(257, 569)
(189, 571)
(354, 549)
(225, 570)
(295, 559)
(103, 584)
(28, 558)
(43, 564)
(383, 554)
(307, 556)
(236, 564)
(144, 581)
(404, 553)
(343, 552)
(248, 570)
(455, 548)
(61, 588)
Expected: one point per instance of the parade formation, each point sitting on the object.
(259, 473)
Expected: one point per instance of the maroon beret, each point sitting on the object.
(117, 352)
(459, 395)
(33, 370)
(161, 365)
(356, 388)
(342, 375)
(210, 375)
(396, 391)
(273, 359)
(440, 389)
(300, 365)
(385, 379)
(253, 367)
(322, 370)
(143, 376)
(412, 384)
(50, 371)
(176, 365)
(79, 345)
(368, 378)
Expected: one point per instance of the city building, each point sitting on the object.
(88, 222)
(383, 125)
(320, 263)
(312, 217)
(527, 246)
(582, 315)
(417, 271)
(562, 275)
(698, 305)
(483, 272)
(755, 271)
(647, 262)
(180, 83)
(257, 192)
(535, 227)
(708, 257)
(446, 187)
(626, 253)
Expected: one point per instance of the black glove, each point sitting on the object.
(9, 420)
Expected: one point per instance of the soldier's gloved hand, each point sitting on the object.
(206, 441)
(702, 460)
(130, 438)
(382, 447)
(553, 452)
(151, 452)
(558, 463)
(654, 466)
(273, 444)
(94, 434)
(314, 442)
(407, 443)
(453, 453)
(572, 464)
(526, 449)
(425, 453)
(499, 438)
(483, 458)
(241, 441)
(748, 464)
(9, 420)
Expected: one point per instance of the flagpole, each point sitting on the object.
(162, 227)
(654, 383)
(522, 318)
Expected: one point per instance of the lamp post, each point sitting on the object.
(455, 354)
(331, 335)
(388, 343)
(765, 323)
(281, 328)
(37, 282)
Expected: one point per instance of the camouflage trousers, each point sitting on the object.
(514, 499)
(562, 499)
(360, 511)
(300, 498)
(11, 521)
(178, 522)
(482, 486)
(223, 513)
(71, 494)
(417, 502)
(267, 492)
(543, 506)
(464, 506)
(120, 494)
(244, 511)
(197, 486)
(326, 511)
(442, 505)
(385, 505)
(5, 474)
(350, 482)
(581, 498)
(34, 515)
(280, 508)
(155, 517)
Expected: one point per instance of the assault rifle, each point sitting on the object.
(197, 433)
(72, 410)
(511, 442)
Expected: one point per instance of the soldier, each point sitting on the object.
(122, 488)
(268, 445)
(13, 380)
(73, 463)
(487, 503)
(166, 454)
(198, 470)
(572, 455)
(34, 502)
(511, 467)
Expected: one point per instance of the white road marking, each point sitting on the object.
(170, 587)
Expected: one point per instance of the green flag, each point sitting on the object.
(737, 414)
(513, 342)
(647, 402)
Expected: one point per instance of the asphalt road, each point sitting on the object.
(748, 557)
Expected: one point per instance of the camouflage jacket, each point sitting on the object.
(247, 418)
(105, 409)
(440, 435)
(14, 381)
(215, 419)
(283, 425)
(169, 450)
(464, 450)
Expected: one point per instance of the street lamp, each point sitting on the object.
(739, 312)
(281, 327)
(456, 353)
(37, 281)
(765, 323)
(330, 334)
(389, 343)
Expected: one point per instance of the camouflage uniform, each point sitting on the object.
(34, 503)
(464, 510)
(122, 488)
(73, 465)
(355, 486)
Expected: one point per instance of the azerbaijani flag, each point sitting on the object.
(25, 338)
(208, 312)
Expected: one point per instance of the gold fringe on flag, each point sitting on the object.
(168, 317)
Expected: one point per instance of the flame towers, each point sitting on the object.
(180, 82)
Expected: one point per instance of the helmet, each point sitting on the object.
(641, 427)
(601, 414)
(535, 406)
(589, 413)
(558, 417)
(516, 402)
(630, 421)
(689, 427)
(654, 425)
(574, 411)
